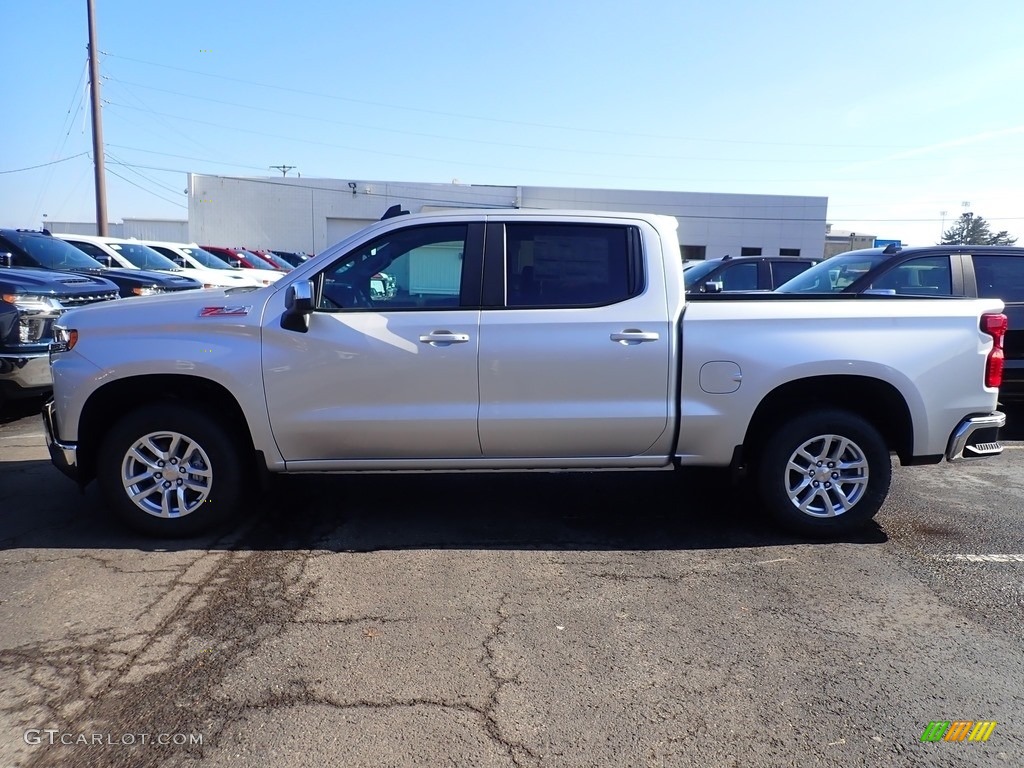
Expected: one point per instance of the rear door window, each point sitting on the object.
(570, 265)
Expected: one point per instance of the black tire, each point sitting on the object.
(847, 495)
(211, 483)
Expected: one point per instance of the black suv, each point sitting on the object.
(743, 273)
(30, 301)
(979, 271)
(29, 248)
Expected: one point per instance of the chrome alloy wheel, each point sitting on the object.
(166, 474)
(826, 476)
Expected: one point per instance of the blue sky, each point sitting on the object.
(896, 111)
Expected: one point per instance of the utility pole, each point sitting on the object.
(97, 126)
(282, 168)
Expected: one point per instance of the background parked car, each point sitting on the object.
(191, 256)
(985, 271)
(295, 259)
(273, 259)
(31, 300)
(30, 248)
(132, 254)
(743, 273)
(239, 257)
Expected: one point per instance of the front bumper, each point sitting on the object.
(63, 455)
(976, 437)
(29, 373)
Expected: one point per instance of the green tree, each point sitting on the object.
(974, 230)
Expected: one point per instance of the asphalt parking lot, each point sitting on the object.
(586, 619)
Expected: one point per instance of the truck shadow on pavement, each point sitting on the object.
(12, 410)
(689, 509)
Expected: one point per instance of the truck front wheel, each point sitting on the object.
(170, 470)
(825, 472)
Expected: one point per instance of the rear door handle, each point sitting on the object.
(634, 336)
(444, 338)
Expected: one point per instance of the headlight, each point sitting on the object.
(64, 339)
(33, 303)
(35, 314)
(149, 290)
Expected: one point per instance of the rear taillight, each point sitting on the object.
(994, 325)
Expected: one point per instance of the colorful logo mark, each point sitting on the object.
(958, 730)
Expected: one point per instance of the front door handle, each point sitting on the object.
(444, 338)
(634, 336)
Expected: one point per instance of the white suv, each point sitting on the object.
(128, 253)
(191, 256)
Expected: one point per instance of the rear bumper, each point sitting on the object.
(63, 455)
(976, 437)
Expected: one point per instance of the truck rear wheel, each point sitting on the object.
(170, 470)
(825, 472)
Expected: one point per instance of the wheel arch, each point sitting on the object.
(111, 401)
(877, 401)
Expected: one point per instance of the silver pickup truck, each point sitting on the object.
(516, 340)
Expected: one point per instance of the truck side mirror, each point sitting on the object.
(6, 259)
(712, 287)
(298, 306)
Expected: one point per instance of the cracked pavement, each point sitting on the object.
(510, 620)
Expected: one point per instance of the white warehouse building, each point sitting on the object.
(308, 215)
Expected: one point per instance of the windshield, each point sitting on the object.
(51, 253)
(282, 263)
(144, 257)
(698, 271)
(205, 258)
(255, 260)
(834, 275)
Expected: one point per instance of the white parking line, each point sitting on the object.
(982, 558)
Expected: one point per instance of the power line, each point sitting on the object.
(126, 166)
(399, 155)
(149, 191)
(72, 190)
(470, 140)
(547, 126)
(69, 120)
(445, 161)
(185, 157)
(158, 124)
(43, 165)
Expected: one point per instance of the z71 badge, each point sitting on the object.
(223, 311)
